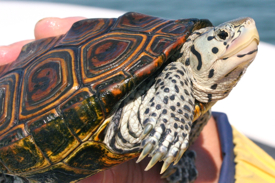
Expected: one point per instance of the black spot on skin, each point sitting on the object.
(182, 120)
(215, 50)
(167, 75)
(186, 83)
(170, 78)
(198, 33)
(187, 62)
(166, 90)
(175, 125)
(147, 111)
(182, 98)
(162, 83)
(168, 131)
(180, 111)
(177, 76)
(174, 81)
(186, 127)
(181, 83)
(214, 86)
(190, 102)
(153, 142)
(159, 80)
(225, 58)
(164, 111)
(175, 135)
(154, 114)
(172, 97)
(178, 104)
(211, 73)
(146, 121)
(224, 43)
(209, 38)
(176, 119)
(186, 115)
(227, 46)
(172, 68)
(158, 107)
(177, 88)
(162, 127)
(173, 108)
(186, 92)
(180, 72)
(164, 120)
(187, 108)
(184, 135)
(165, 100)
(157, 93)
(181, 127)
(209, 97)
(152, 99)
(183, 68)
(173, 115)
(188, 40)
(162, 87)
(198, 55)
(152, 104)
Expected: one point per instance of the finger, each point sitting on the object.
(49, 27)
(9, 53)
(45, 28)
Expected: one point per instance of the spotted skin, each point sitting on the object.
(170, 111)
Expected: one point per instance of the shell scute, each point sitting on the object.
(23, 156)
(61, 141)
(48, 81)
(8, 98)
(137, 22)
(84, 30)
(82, 113)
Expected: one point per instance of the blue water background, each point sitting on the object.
(217, 11)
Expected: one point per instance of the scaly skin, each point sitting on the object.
(158, 117)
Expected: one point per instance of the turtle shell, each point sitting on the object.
(55, 98)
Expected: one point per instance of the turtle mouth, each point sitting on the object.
(252, 45)
(248, 37)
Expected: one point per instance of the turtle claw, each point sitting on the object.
(182, 150)
(146, 150)
(166, 164)
(146, 130)
(156, 157)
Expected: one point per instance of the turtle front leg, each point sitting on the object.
(166, 114)
(185, 170)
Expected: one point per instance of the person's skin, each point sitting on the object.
(207, 146)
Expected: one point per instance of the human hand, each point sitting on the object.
(208, 151)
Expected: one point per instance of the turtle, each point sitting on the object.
(110, 90)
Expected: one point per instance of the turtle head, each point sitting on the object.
(220, 55)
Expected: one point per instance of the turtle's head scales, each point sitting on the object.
(219, 56)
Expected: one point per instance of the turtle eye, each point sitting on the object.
(222, 35)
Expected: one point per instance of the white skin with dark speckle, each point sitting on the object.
(158, 116)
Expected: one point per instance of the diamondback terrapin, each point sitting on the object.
(112, 89)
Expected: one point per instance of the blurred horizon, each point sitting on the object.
(216, 11)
